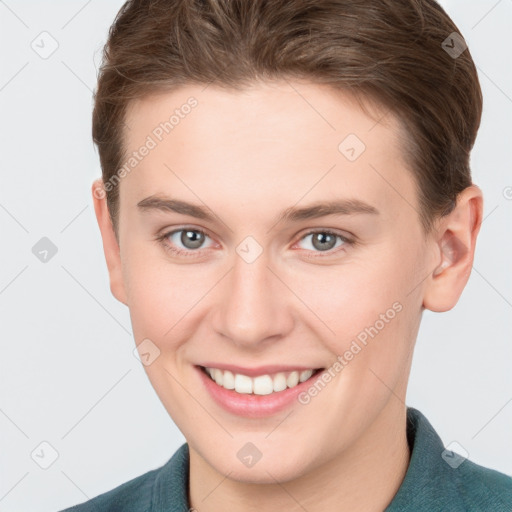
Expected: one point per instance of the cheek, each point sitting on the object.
(160, 294)
(352, 295)
(367, 312)
(164, 302)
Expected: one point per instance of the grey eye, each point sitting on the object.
(187, 238)
(191, 239)
(323, 240)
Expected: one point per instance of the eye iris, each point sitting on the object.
(192, 239)
(320, 239)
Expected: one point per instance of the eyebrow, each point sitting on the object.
(292, 214)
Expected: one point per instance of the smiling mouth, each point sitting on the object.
(262, 384)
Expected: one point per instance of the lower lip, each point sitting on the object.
(250, 405)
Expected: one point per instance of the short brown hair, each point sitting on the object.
(387, 51)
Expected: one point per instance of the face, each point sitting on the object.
(270, 230)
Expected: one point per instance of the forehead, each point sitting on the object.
(272, 140)
(264, 109)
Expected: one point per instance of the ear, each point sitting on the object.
(455, 250)
(110, 244)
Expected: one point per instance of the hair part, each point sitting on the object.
(386, 52)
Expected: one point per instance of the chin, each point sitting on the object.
(274, 465)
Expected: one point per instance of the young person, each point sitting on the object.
(286, 188)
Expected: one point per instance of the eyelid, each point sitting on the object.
(333, 231)
(169, 231)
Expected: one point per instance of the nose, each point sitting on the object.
(254, 306)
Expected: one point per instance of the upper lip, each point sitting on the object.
(259, 370)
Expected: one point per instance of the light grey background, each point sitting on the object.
(67, 372)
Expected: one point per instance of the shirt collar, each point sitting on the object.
(429, 478)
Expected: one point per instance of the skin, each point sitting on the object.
(248, 156)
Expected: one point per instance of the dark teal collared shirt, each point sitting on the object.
(436, 480)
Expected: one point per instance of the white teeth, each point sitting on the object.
(305, 375)
(279, 382)
(217, 376)
(243, 384)
(261, 385)
(293, 379)
(229, 380)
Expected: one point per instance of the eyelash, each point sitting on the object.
(196, 253)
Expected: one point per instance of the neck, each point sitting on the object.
(363, 478)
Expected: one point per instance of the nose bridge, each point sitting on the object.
(251, 309)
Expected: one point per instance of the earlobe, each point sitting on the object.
(455, 249)
(110, 243)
